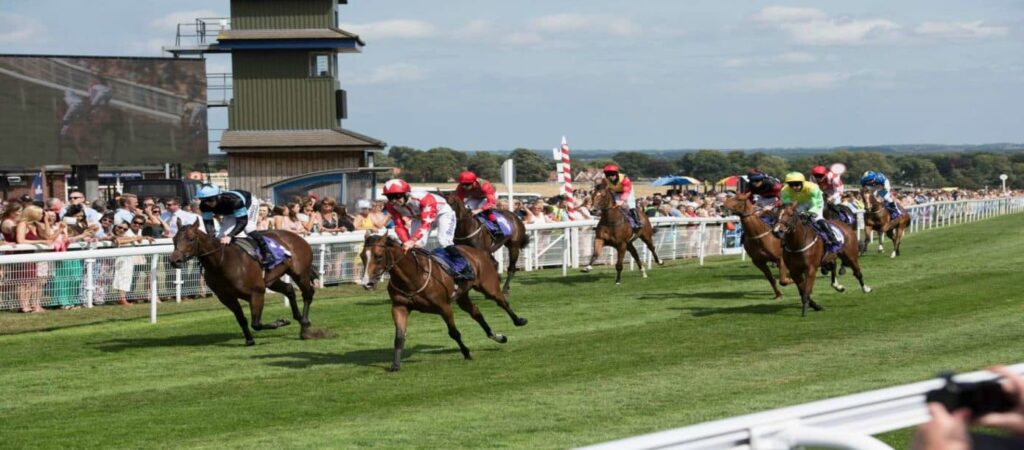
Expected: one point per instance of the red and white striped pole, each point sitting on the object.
(567, 176)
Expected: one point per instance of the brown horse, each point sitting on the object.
(613, 230)
(469, 231)
(803, 251)
(232, 274)
(877, 219)
(759, 242)
(418, 283)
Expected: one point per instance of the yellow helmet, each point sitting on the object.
(795, 177)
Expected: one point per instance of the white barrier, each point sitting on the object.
(844, 422)
(94, 276)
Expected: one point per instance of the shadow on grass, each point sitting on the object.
(767, 308)
(384, 301)
(713, 295)
(193, 340)
(381, 357)
(570, 280)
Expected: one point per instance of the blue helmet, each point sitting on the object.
(756, 175)
(869, 177)
(207, 191)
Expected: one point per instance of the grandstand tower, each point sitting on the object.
(285, 134)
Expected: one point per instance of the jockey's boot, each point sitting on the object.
(496, 230)
(637, 224)
(894, 211)
(266, 257)
(829, 234)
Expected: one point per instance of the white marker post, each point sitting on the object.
(1003, 178)
(508, 176)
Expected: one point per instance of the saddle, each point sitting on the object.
(454, 263)
(249, 246)
(840, 239)
(498, 228)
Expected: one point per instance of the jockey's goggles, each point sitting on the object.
(392, 197)
(795, 185)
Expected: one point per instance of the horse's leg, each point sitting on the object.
(784, 278)
(400, 314)
(636, 257)
(763, 267)
(306, 286)
(798, 278)
(648, 239)
(449, 320)
(236, 308)
(835, 284)
(489, 287)
(289, 291)
(256, 309)
(881, 239)
(620, 254)
(809, 288)
(855, 265)
(467, 305)
(598, 246)
(513, 258)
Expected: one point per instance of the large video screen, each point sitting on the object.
(106, 111)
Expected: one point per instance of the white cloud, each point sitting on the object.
(810, 26)
(475, 29)
(170, 21)
(390, 74)
(563, 23)
(797, 57)
(786, 14)
(16, 29)
(523, 38)
(960, 30)
(793, 83)
(393, 29)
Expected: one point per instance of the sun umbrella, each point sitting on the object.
(675, 181)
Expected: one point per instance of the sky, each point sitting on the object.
(644, 74)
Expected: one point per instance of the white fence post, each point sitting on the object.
(90, 282)
(323, 266)
(154, 296)
(177, 285)
(700, 241)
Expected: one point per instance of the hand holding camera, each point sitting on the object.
(957, 405)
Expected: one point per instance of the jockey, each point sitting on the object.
(622, 186)
(478, 195)
(424, 209)
(234, 207)
(879, 184)
(808, 199)
(831, 184)
(763, 189)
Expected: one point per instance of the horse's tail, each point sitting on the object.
(526, 239)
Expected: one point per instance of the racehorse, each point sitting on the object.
(759, 242)
(877, 219)
(614, 230)
(469, 231)
(418, 283)
(232, 274)
(803, 251)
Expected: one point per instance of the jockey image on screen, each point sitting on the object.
(622, 186)
(100, 93)
(878, 184)
(478, 195)
(763, 189)
(235, 209)
(425, 209)
(809, 200)
(76, 109)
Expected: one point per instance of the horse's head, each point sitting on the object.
(739, 204)
(377, 257)
(186, 244)
(601, 196)
(458, 206)
(786, 221)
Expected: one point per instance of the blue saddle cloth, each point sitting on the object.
(498, 228)
(840, 239)
(768, 219)
(453, 263)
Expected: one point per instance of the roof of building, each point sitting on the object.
(283, 140)
(301, 33)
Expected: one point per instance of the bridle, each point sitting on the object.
(197, 255)
(390, 262)
(790, 226)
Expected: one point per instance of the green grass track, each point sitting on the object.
(596, 362)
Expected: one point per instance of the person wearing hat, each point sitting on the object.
(479, 197)
(233, 208)
(763, 189)
(622, 186)
(809, 200)
(364, 219)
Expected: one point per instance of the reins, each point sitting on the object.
(792, 229)
(391, 263)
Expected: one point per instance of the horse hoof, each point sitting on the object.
(867, 289)
(839, 287)
(893, 255)
(645, 275)
(618, 283)
(394, 368)
(818, 308)
(842, 271)
(520, 322)
(250, 343)
(586, 269)
(499, 338)
(777, 297)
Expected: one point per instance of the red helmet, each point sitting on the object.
(611, 168)
(467, 177)
(819, 171)
(396, 186)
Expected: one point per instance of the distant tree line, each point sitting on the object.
(972, 170)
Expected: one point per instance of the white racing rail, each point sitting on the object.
(844, 422)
